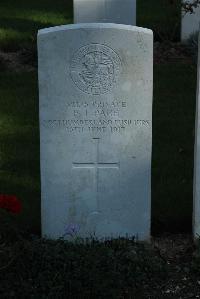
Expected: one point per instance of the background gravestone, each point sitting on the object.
(196, 205)
(105, 11)
(190, 23)
(95, 83)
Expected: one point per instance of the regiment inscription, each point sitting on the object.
(96, 116)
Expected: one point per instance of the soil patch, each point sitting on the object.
(26, 59)
(119, 269)
(174, 52)
(22, 60)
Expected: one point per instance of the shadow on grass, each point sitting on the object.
(17, 33)
(173, 147)
(19, 144)
(39, 5)
(19, 22)
(23, 25)
(163, 17)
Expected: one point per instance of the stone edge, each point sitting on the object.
(94, 26)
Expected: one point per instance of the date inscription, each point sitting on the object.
(95, 117)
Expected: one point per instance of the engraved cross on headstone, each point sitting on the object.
(96, 165)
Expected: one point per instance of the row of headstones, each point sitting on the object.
(124, 12)
(95, 85)
(105, 11)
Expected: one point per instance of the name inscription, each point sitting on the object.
(95, 117)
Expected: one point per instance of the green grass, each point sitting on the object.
(173, 139)
(173, 143)
(21, 19)
(19, 143)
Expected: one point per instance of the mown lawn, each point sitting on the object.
(163, 17)
(21, 19)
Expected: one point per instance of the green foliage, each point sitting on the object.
(189, 6)
(114, 269)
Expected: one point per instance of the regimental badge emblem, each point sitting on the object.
(95, 69)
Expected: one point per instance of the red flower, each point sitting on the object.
(10, 203)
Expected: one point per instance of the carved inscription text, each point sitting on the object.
(96, 117)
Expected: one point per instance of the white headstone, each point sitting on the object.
(190, 23)
(196, 197)
(105, 11)
(95, 83)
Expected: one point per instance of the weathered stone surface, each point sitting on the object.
(196, 199)
(190, 23)
(105, 11)
(95, 83)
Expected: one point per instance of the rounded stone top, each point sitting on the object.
(94, 26)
